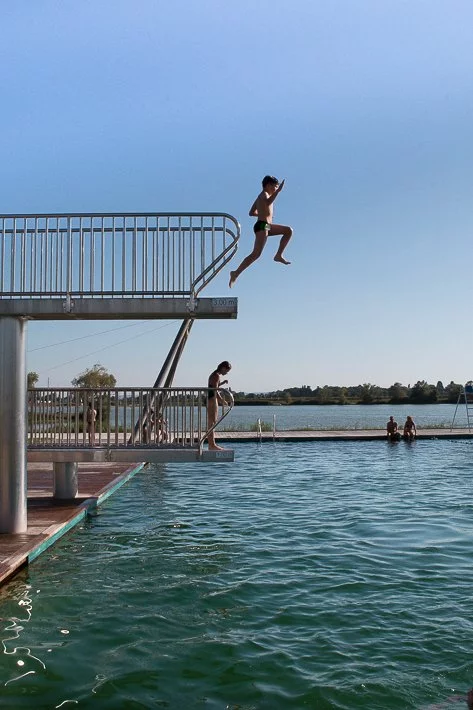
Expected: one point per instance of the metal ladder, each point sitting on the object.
(466, 393)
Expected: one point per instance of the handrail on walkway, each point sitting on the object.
(140, 255)
(105, 417)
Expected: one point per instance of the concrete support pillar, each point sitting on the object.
(66, 479)
(13, 486)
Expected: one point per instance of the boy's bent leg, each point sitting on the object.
(286, 232)
(260, 241)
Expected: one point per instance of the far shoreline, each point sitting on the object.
(298, 403)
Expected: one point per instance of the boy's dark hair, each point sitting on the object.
(225, 364)
(270, 180)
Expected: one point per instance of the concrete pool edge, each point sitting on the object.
(332, 435)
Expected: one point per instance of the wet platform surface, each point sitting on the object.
(49, 519)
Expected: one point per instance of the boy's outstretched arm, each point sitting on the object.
(271, 199)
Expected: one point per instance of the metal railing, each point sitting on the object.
(107, 255)
(171, 417)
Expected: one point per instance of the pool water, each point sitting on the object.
(322, 575)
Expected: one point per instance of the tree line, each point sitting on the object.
(420, 393)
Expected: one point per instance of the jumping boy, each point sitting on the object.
(262, 209)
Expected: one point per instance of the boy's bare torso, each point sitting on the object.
(262, 209)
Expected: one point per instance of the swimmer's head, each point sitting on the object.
(270, 180)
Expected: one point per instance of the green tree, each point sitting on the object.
(452, 391)
(31, 379)
(397, 393)
(96, 376)
(367, 393)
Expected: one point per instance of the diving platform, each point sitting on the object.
(109, 267)
(145, 308)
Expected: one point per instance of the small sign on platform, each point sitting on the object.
(224, 305)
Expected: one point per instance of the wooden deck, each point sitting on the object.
(49, 519)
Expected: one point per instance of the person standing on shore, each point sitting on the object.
(262, 209)
(91, 416)
(214, 399)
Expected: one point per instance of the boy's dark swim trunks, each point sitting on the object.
(261, 226)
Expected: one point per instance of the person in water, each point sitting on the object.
(457, 699)
(391, 430)
(410, 431)
(262, 209)
(214, 399)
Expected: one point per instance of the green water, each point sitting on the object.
(323, 575)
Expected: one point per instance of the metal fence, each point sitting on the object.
(102, 417)
(108, 255)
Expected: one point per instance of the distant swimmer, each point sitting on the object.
(214, 399)
(455, 701)
(262, 209)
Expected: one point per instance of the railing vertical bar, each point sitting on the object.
(60, 264)
(81, 254)
(113, 253)
(202, 245)
(167, 272)
(155, 262)
(202, 395)
(117, 411)
(133, 257)
(2, 256)
(124, 255)
(133, 413)
(23, 259)
(102, 257)
(99, 420)
(47, 258)
(213, 240)
(92, 256)
(192, 252)
(145, 257)
(180, 254)
(13, 256)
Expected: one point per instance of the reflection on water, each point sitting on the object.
(24, 658)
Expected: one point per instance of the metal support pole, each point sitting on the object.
(66, 479)
(13, 425)
(168, 370)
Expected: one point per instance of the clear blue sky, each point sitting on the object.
(364, 106)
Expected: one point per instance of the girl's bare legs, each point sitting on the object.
(212, 414)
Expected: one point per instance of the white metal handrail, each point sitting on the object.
(105, 417)
(108, 255)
